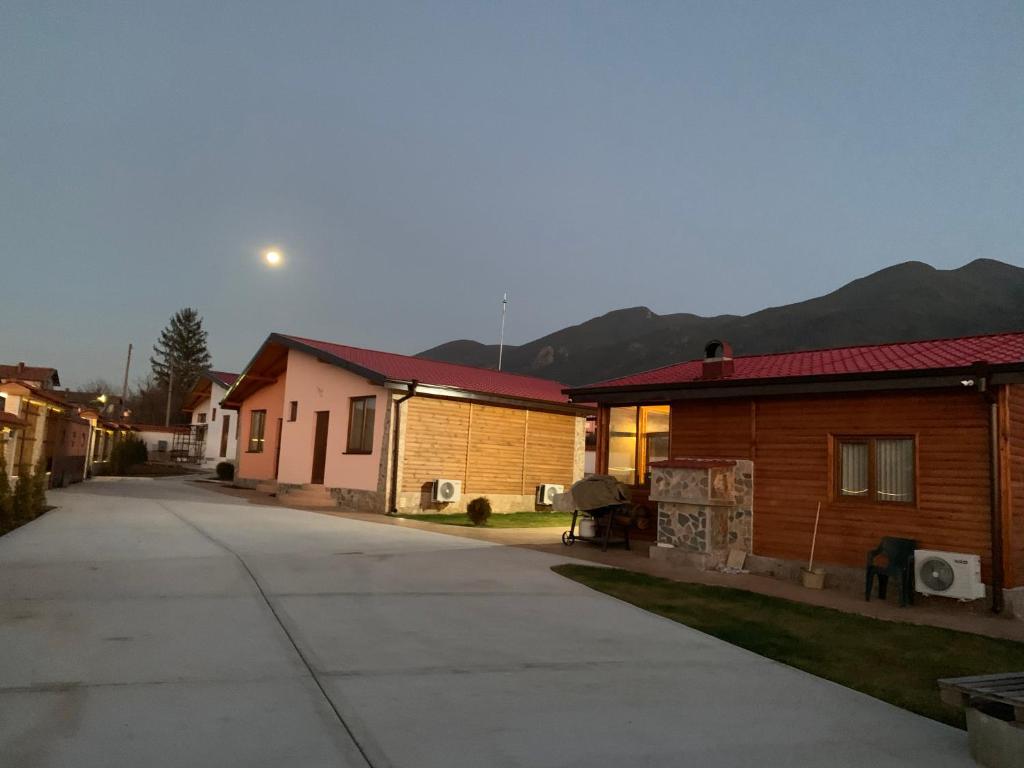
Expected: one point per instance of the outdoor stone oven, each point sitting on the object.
(705, 508)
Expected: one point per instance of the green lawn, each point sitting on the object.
(895, 662)
(503, 520)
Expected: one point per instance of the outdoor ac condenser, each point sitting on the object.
(446, 490)
(546, 493)
(950, 574)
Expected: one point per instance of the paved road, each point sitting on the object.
(157, 623)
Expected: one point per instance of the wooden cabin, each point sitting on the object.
(334, 425)
(923, 440)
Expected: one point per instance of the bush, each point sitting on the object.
(226, 471)
(21, 498)
(7, 518)
(479, 510)
(37, 490)
(126, 454)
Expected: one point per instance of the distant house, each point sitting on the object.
(214, 427)
(923, 440)
(373, 431)
(44, 428)
(39, 377)
(161, 442)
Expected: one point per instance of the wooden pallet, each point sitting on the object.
(1006, 690)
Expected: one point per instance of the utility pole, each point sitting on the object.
(124, 389)
(170, 389)
(501, 338)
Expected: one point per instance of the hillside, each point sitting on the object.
(906, 302)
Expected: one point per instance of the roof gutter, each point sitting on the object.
(410, 392)
(991, 396)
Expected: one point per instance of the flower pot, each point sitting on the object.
(813, 579)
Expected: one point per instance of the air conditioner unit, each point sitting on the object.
(446, 490)
(950, 574)
(546, 493)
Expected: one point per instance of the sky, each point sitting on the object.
(413, 161)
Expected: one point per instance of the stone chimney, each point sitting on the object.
(718, 361)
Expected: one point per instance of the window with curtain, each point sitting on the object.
(257, 425)
(360, 424)
(876, 468)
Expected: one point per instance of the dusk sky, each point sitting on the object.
(413, 161)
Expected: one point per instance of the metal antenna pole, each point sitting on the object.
(170, 389)
(124, 388)
(501, 339)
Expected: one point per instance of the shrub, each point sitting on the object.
(22, 496)
(226, 470)
(37, 490)
(479, 510)
(7, 519)
(126, 454)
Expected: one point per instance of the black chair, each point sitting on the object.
(899, 561)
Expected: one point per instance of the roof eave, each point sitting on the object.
(455, 393)
(724, 388)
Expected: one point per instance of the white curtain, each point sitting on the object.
(894, 460)
(853, 464)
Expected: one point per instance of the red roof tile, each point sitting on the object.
(223, 378)
(394, 367)
(959, 353)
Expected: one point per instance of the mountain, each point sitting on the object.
(906, 302)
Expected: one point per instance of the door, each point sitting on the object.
(320, 448)
(225, 425)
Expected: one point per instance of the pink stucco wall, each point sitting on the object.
(260, 466)
(316, 387)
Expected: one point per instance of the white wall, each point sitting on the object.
(214, 420)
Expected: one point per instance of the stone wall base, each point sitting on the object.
(418, 502)
(1013, 602)
(703, 561)
(359, 500)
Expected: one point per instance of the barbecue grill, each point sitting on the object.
(608, 502)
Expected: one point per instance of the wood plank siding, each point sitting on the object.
(1012, 466)
(492, 449)
(790, 441)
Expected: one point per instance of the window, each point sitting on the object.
(214, 417)
(257, 425)
(293, 410)
(360, 424)
(202, 418)
(625, 452)
(877, 469)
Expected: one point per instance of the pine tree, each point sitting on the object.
(181, 350)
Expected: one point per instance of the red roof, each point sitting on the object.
(960, 353)
(223, 378)
(392, 367)
(22, 372)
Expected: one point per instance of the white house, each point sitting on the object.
(214, 428)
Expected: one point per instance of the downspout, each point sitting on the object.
(393, 505)
(995, 495)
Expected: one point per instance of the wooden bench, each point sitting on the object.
(995, 716)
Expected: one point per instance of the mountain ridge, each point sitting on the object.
(909, 301)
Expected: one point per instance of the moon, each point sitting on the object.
(273, 258)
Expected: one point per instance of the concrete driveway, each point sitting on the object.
(157, 623)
